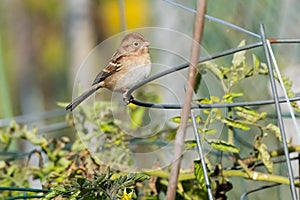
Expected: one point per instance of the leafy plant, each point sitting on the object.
(244, 119)
(70, 170)
(103, 186)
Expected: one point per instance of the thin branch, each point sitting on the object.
(179, 139)
(258, 176)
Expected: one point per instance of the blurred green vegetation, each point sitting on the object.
(36, 43)
(36, 49)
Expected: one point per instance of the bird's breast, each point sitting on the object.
(134, 69)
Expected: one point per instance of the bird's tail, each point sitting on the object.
(82, 97)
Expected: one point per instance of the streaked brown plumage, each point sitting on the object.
(129, 65)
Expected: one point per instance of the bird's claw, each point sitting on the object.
(127, 99)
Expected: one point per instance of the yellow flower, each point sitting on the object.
(126, 196)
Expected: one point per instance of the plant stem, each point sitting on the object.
(258, 176)
(180, 136)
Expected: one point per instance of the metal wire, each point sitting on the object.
(26, 197)
(214, 105)
(2, 188)
(30, 118)
(278, 112)
(238, 28)
(258, 189)
(283, 88)
(201, 155)
(276, 100)
(185, 65)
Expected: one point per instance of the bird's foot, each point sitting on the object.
(127, 99)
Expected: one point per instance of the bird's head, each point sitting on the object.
(134, 43)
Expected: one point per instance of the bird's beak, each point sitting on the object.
(146, 44)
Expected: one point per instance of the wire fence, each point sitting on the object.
(264, 43)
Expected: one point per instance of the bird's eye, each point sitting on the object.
(135, 44)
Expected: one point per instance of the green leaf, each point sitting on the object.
(190, 144)
(50, 195)
(256, 62)
(80, 181)
(59, 189)
(74, 195)
(207, 131)
(225, 71)
(263, 69)
(177, 119)
(139, 177)
(198, 171)
(275, 129)
(266, 158)
(214, 69)
(4, 137)
(250, 114)
(215, 99)
(223, 146)
(239, 57)
(229, 97)
(197, 82)
(264, 154)
(210, 100)
(235, 124)
(287, 85)
(295, 105)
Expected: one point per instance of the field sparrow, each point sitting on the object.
(128, 66)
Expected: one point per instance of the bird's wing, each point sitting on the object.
(112, 67)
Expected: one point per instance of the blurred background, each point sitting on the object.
(43, 43)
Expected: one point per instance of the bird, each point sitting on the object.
(129, 65)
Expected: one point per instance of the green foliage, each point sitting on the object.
(72, 172)
(249, 114)
(198, 170)
(177, 119)
(104, 130)
(62, 163)
(263, 154)
(223, 146)
(242, 119)
(101, 186)
(139, 115)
